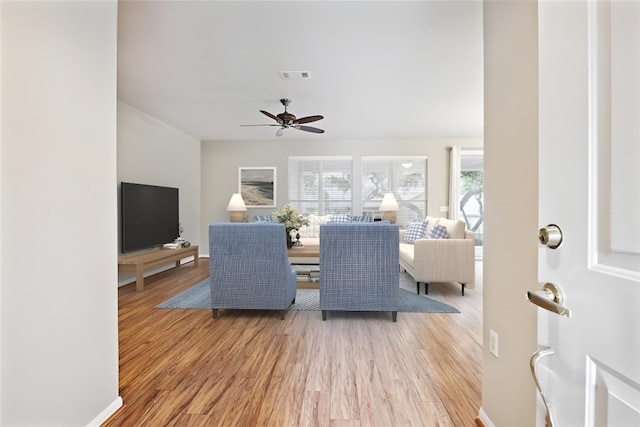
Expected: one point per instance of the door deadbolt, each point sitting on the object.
(550, 236)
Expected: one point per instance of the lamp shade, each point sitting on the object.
(389, 203)
(236, 203)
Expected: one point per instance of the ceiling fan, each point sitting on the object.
(287, 120)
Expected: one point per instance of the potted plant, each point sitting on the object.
(291, 219)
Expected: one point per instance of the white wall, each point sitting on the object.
(511, 214)
(58, 307)
(153, 152)
(221, 159)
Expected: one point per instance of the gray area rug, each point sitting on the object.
(198, 296)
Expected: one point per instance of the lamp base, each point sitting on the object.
(389, 216)
(236, 217)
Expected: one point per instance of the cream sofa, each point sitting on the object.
(310, 234)
(441, 260)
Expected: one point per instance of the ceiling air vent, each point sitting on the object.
(295, 75)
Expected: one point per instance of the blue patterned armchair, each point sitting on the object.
(359, 267)
(249, 268)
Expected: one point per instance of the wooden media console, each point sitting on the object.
(141, 262)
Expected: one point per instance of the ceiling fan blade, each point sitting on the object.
(268, 114)
(261, 125)
(308, 119)
(309, 129)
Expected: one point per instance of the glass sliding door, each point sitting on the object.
(472, 194)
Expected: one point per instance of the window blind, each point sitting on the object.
(321, 185)
(405, 177)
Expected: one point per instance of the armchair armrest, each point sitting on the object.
(445, 260)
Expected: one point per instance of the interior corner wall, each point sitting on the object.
(221, 160)
(59, 310)
(511, 214)
(153, 152)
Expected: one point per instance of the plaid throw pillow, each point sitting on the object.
(340, 218)
(415, 230)
(439, 232)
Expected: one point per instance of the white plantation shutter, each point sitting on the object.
(321, 185)
(405, 177)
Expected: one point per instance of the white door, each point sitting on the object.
(589, 164)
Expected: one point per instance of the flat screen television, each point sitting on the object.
(149, 215)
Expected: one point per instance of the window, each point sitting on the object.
(321, 185)
(472, 192)
(405, 177)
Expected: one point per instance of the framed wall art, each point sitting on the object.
(257, 186)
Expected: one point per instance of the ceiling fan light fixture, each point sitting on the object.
(407, 164)
(280, 131)
(295, 75)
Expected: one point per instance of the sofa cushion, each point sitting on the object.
(432, 223)
(439, 232)
(455, 228)
(313, 229)
(415, 230)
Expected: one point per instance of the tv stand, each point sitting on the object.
(141, 262)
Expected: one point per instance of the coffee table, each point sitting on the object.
(306, 256)
(308, 251)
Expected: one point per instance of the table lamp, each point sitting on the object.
(236, 206)
(389, 206)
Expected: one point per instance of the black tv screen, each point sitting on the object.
(149, 215)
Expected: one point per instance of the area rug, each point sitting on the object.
(198, 296)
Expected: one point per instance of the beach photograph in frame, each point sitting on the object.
(257, 186)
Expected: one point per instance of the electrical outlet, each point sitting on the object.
(493, 343)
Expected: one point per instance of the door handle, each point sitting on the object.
(533, 362)
(551, 298)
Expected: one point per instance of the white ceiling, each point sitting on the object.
(379, 69)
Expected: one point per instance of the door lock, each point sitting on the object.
(550, 236)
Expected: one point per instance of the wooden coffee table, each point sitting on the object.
(312, 253)
(307, 251)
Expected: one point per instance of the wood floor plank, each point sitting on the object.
(181, 367)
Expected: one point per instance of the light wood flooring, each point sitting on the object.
(181, 367)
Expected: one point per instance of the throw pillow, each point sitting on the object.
(262, 218)
(341, 218)
(439, 232)
(415, 230)
(455, 228)
(361, 218)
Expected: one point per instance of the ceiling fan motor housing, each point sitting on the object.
(287, 118)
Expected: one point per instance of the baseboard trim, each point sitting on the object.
(483, 419)
(107, 413)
